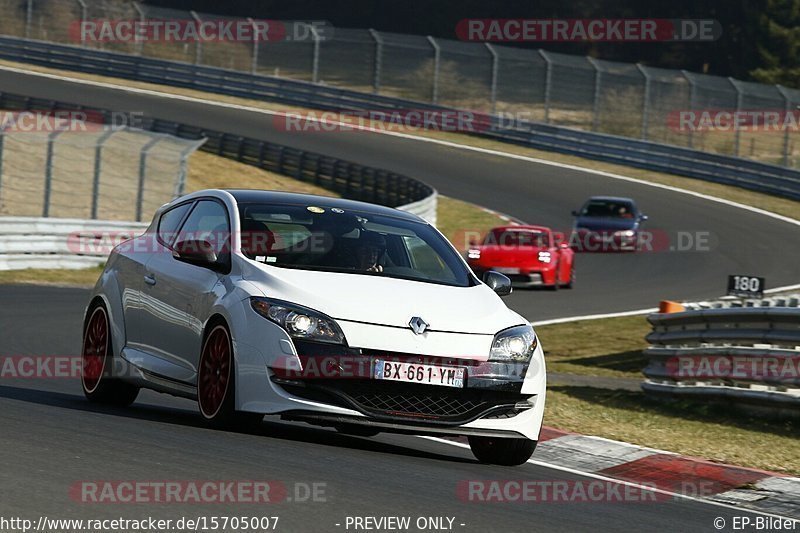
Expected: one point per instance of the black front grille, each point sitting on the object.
(390, 400)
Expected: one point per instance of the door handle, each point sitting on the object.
(150, 279)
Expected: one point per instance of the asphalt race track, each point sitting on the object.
(739, 241)
(53, 439)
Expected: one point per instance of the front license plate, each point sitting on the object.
(419, 373)
(506, 270)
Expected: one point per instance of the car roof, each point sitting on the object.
(290, 198)
(612, 199)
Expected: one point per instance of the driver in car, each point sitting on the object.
(371, 247)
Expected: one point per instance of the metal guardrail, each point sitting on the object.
(35, 242)
(740, 172)
(747, 355)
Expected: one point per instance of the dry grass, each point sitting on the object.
(610, 347)
(40, 276)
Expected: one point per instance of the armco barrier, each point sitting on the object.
(748, 355)
(752, 175)
(28, 242)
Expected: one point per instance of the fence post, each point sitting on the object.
(646, 101)
(548, 81)
(692, 102)
(82, 5)
(98, 162)
(437, 57)
(738, 130)
(142, 175)
(137, 38)
(198, 44)
(254, 64)
(378, 65)
(787, 110)
(48, 171)
(598, 73)
(180, 184)
(315, 58)
(495, 67)
(28, 19)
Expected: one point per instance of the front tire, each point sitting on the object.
(97, 363)
(498, 451)
(216, 383)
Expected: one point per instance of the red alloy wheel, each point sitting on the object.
(215, 372)
(95, 350)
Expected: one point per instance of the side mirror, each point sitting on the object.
(574, 212)
(643, 217)
(197, 252)
(497, 282)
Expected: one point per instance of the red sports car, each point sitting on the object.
(530, 256)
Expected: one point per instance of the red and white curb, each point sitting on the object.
(746, 487)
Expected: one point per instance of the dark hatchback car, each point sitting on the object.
(607, 224)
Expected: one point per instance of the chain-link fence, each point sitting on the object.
(704, 112)
(109, 174)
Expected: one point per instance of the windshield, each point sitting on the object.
(517, 238)
(608, 209)
(336, 240)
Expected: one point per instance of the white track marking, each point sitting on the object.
(623, 482)
(449, 144)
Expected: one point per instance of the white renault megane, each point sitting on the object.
(333, 312)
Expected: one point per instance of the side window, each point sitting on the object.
(169, 222)
(208, 221)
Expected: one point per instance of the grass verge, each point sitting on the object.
(609, 347)
(710, 432)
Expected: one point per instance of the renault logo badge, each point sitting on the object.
(418, 326)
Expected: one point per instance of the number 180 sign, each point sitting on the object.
(746, 286)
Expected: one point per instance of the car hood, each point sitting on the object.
(602, 223)
(387, 301)
(498, 255)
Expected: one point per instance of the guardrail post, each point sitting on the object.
(737, 134)
(548, 81)
(315, 58)
(598, 73)
(28, 19)
(437, 57)
(142, 175)
(787, 110)
(495, 67)
(254, 62)
(646, 100)
(82, 5)
(198, 44)
(692, 102)
(378, 64)
(137, 38)
(48, 171)
(98, 162)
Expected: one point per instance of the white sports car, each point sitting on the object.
(333, 312)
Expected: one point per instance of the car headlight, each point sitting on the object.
(625, 233)
(298, 321)
(544, 257)
(474, 254)
(514, 344)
